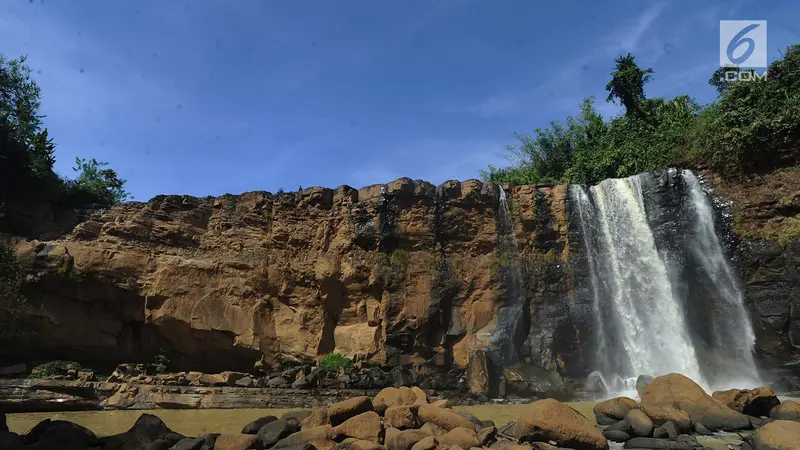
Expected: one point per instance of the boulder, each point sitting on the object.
(433, 429)
(60, 434)
(392, 396)
(622, 425)
(788, 410)
(616, 435)
(236, 442)
(701, 430)
(358, 444)
(245, 382)
(254, 426)
(189, 444)
(777, 435)
(677, 398)
(422, 397)
(403, 440)
(402, 417)
(641, 424)
(341, 411)
(443, 403)
(752, 402)
(300, 414)
(478, 371)
(428, 443)
(211, 440)
(613, 410)
(317, 418)
(528, 379)
(147, 429)
(445, 418)
(272, 432)
(365, 426)
(672, 429)
(317, 436)
(463, 437)
(642, 381)
(487, 435)
(550, 420)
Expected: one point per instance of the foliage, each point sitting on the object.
(27, 152)
(333, 362)
(159, 364)
(753, 125)
(393, 266)
(53, 368)
(11, 279)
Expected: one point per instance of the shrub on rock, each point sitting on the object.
(550, 420)
(613, 410)
(677, 398)
(788, 410)
(752, 402)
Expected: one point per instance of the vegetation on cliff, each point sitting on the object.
(27, 152)
(752, 126)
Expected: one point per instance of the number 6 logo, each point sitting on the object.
(743, 43)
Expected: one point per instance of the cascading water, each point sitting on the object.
(664, 295)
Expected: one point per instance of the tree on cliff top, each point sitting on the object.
(627, 84)
(27, 152)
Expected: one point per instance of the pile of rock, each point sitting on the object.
(673, 408)
(395, 419)
(299, 377)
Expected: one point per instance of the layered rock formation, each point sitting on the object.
(402, 273)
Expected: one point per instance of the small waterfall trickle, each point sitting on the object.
(509, 329)
(665, 299)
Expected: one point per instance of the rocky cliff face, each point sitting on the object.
(402, 273)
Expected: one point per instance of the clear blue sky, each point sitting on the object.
(211, 97)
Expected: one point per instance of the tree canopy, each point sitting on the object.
(753, 125)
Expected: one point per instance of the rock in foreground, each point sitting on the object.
(550, 420)
(778, 435)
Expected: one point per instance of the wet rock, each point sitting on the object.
(272, 432)
(445, 418)
(752, 402)
(245, 382)
(427, 443)
(341, 411)
(478, 371)
(528, 379)
(402, 417)
(616, 435)
(301, 383)
(677, 398)
(403, 440)
(211, 440)
(613, 410)
(641, 424)
(365, 426)
(788, 410)
(463, 437)
(622, 425)
(550, 420)
(237, 442)
(278, 382)
(300, 415)
(642, 381)
(189, 444)
(60, 434)
(702, 430)
(147, 429)
(777, 435)
(254, 426)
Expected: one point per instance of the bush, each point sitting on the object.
(52, 368)
(11, 299)
(333, 362)
(159, 364)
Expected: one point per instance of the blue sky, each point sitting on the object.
(210, 97)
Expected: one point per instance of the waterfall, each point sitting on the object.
(664, 295)
(509, 328)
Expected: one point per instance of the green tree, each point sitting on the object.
(20, 98)
(98, 183)
(627, 84)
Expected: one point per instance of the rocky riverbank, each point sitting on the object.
(674, 412)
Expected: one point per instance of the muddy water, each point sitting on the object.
(198, 421)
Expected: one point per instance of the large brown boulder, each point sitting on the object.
(445, 418)
(317, 436)
(677, 398)
(752, 402)
(463, 437)
(317, 418)
(235, 442)
(392, 396)
(365, 426)
(341, 411)
(641, 424)
(550, 420)
(402, 417)
(613, 410)
(788, 410)
(403, 440)
(778, 435)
